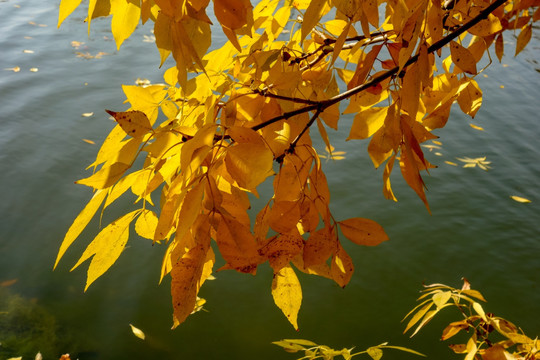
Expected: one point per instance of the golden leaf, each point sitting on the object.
(137, 332)
(463, 58)
(135, 123)
(520, 199)
(106, 176)
(287, 294)
(523, 38)
(342, 267)
(80, 222)
(126, 16)
(106, 247)
(146, 224)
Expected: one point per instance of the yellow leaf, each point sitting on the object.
(185, 284)
(80, 222)
(486, 27)
(367, 122)
(88, 114)
(126, 15)
(470, 98)
(146, 224)
(135, 123)
(106, 247)
(520, 199)
(523, 38)
(476, 127)
(450, 163)
(287, 294)
(88, 141)
(106, 176)
(249, 164)
(66, 8)
(463, 58)
(137, 332)
(363, 231)
(313, 15)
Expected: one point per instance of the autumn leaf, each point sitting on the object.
(287, 294)
(363, 231)
(520, 199)
(106, 247)
(137, 332)
(135, 123)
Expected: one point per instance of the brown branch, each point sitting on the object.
(322, 105)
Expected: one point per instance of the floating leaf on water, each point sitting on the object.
(451, 163)
(28, 37)
(7, 283)
(436, 142)
(34, 69)
(485, 75)
(438, 153)
(150, 39)
(502, 86)
(88, 141)
(480, 162)
(137, 332)
(88, 114)
(520, 199)
(142, 82)
(42, 25)
(505, 65)
(476, 127)
(32, 23)
(14, 69)
(76, 44)
(431, 147)
(38, 356)
(28, 51)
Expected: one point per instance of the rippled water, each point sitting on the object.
(475, 231)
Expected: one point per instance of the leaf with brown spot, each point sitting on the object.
(135, 123)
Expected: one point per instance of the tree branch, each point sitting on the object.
(322, 105)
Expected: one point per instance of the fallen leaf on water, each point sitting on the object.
(7, 283)
(88, 114)
(137, 332)
(76, 44)
(28, 37)
(14, 69)
(149, 39)
(450, 163)
(502, 86)
(88, 141)
(485, 75)
(17, 6)
(480, 162)
(520, 199)
(476, 127)
(28, 51)
(142, 82)
(505, 65)
(438, 153)
(436, 142)
(87, 55)
(32, 23)
(431, 147)
(42, 25)
(34, 69)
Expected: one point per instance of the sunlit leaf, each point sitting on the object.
(106, 247)
(363, 231)
(135, 123)
(520, 199)
(137, 332)
(287, 294)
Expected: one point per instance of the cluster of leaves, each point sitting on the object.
(235, 116)
(313, 351)
(490, 336)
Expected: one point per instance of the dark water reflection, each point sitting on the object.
(475, 231)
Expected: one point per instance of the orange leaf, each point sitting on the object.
(363, 231)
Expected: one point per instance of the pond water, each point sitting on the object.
(476, 231)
